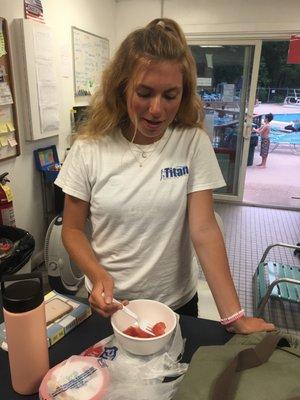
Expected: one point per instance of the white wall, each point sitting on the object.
(96, 16)
(236, 17)
(132, 14)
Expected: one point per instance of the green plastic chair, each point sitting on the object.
(276, 281)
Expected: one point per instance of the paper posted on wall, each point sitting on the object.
(34, 10)
(12, 142)
(2, 41)
(5, 94)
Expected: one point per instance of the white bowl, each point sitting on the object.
(152, 311)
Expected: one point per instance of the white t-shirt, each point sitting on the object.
(138, 214)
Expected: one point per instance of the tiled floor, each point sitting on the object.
(248, 231)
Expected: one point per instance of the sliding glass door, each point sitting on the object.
(226, 82)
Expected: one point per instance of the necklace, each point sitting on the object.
(144, 154)
(141, 155)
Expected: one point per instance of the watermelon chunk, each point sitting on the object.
(131, 331)
(158, 329)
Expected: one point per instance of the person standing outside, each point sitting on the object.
(264, 132)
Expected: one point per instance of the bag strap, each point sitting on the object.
(245, 359)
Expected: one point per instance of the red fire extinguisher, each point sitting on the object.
(7, 215)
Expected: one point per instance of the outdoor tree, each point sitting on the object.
(274, 70)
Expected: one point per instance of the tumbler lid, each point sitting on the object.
(25, 294)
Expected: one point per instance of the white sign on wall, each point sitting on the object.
(204, 81)
(228, 92)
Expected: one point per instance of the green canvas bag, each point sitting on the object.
(254, 367)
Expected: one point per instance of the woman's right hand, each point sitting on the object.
(102, 294)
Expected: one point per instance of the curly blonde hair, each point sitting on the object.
(161, 40)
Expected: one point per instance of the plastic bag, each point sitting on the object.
(141, 377)
(133, 391)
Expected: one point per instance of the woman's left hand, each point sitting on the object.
(248, 325)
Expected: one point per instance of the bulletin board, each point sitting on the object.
(90, 55)
(9, 138)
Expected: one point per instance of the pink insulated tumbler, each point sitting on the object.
(25, 324)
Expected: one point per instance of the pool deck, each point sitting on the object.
(277, 185)
(273, 108)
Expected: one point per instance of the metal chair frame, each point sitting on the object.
(260, 306)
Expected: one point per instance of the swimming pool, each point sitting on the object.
(286, 117)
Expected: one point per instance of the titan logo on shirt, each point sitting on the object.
(167, 173)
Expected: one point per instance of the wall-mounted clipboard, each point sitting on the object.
(9, 137)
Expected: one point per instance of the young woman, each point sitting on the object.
(264, 132)
(142, 170)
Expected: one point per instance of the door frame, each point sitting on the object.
(257, 43)
(195, 36)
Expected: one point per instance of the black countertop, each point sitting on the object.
(197, 331)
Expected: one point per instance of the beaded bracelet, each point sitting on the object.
(232, 318)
